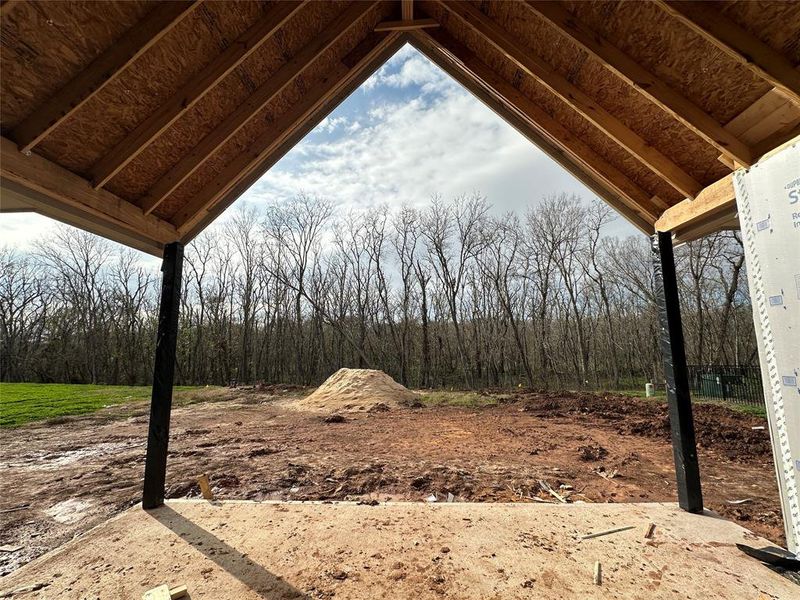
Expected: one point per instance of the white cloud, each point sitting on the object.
(443, 141)
(23, 230)
(329, 125)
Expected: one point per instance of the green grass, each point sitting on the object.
(458, 398)
(22, 403)
(660, 395)
(748, 409)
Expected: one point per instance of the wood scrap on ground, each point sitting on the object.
(164, 592)
(15, 509)
(598, 573)
(205, 487)
(547, 488)
(590, 536)
(651, 529)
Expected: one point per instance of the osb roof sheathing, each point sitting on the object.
(45, 45)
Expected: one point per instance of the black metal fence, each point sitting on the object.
(740, 385)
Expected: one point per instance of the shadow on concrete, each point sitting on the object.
(250, 573)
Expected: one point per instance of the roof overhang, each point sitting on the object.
(144, 121)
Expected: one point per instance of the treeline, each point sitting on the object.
(443, 296)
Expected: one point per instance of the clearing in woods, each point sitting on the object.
(490, 446)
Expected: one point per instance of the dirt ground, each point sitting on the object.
(240, 550)
(62, 479)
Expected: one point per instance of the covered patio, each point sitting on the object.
(142, 122)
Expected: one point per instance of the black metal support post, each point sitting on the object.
(155, 468)
(684, 449)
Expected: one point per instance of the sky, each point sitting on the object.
(409, 132)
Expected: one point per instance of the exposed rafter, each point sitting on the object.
(104, 69)
(193, 159)
(645, 82)
(763, 124)
(781, 138)
(411, 25)
(288, 129)
(225, 148)
(704, 19)
(449, 51)
(509, 112)
(534, 66)
(193, 90)
(40, 178)
(407, 10)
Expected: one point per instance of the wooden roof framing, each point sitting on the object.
(144, 120)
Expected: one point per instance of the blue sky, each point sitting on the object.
(408, 133)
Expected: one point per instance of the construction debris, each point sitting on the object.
(546, 487)
(164, 592)
(606, 474)
(651, 529)
(205, 487)
(10, 548)
(738, 502)
(598, 573)
(589, 536)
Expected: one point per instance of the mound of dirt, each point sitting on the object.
(357, 390)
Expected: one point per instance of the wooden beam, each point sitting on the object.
(767, 117)
(40, 176)
(559, 85)
(295, 125)
(461, 57)
(705, 20)
(191, 92)
(104, 69)
(492, 99)
(725, 221)
(387, 26)
(407, 10)
(763, 123)
(717, 198)
(645, 82)
(193, 159)
(780, 138)
(18, 198)
(749, 125)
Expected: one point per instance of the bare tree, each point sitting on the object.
(443, 295)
